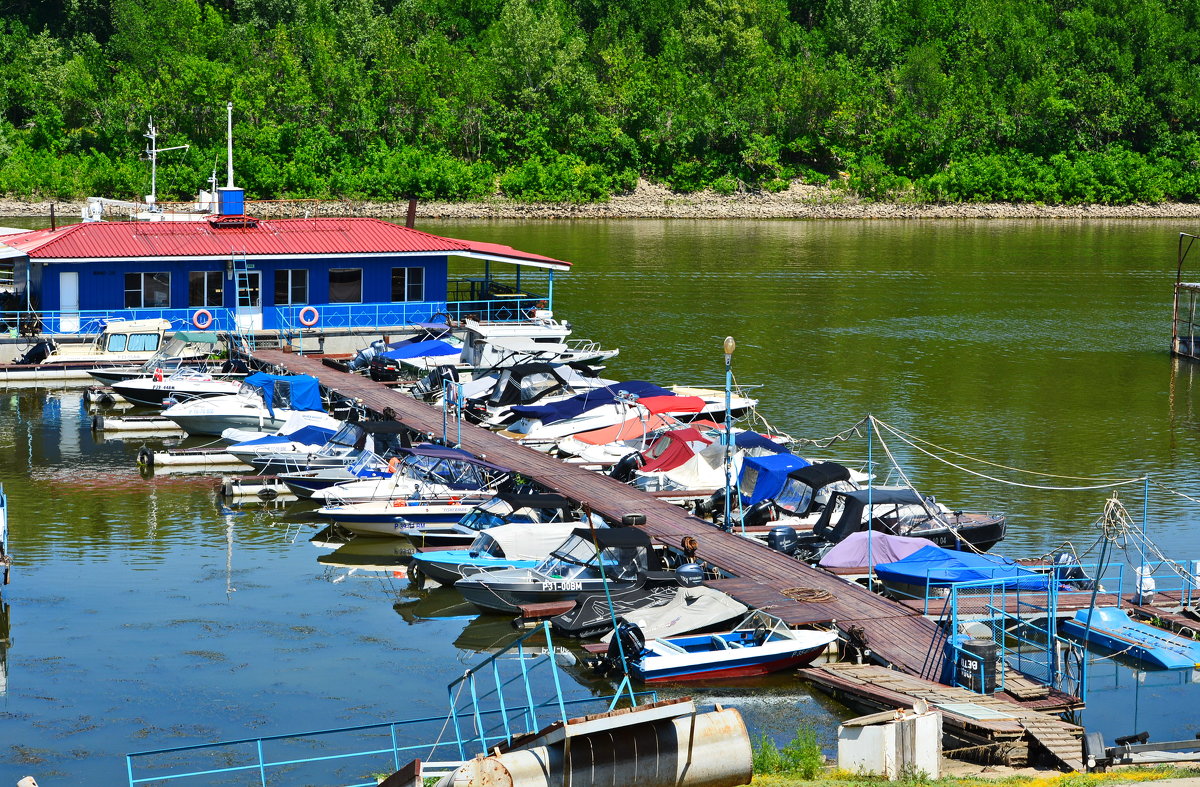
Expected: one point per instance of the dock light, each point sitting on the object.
(730, 346)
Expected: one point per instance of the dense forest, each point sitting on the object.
(934, 100)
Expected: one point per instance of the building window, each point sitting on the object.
(206, 288)
(408, 284)
(291, 287)
(147, 290)
(345, 285)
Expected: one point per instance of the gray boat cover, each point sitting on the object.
(692, 609)
(854, 551)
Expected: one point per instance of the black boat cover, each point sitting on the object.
(615, 536)
(821, 475)
(520, 500)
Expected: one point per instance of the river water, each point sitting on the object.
(144, 613)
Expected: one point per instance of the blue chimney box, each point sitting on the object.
(231, 201)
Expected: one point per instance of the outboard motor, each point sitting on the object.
(710, 507)
(38, 352)
(1067, 569)
(760, 513)
(632, 642)
(689, 575)
(362, 359)
(783, 539)
(624, 468)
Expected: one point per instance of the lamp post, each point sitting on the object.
(730, 346)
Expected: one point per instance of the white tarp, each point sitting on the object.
(530, 540)
(692, 609)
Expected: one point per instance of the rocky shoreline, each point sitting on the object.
(650, 201)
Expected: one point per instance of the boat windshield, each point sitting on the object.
(577, 559)
(454, 473)
(795, 497)
(486, 546)
(488, 514)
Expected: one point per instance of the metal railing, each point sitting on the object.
(352, 316)
(487, 707)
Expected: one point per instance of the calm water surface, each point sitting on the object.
(144, 613)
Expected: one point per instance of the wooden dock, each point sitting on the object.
(762, 578)
(987, 727)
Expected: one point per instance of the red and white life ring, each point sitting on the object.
(202, 319)
(308, 316)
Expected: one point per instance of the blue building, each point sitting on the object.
(238, 273)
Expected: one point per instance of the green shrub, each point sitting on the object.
(801, 756)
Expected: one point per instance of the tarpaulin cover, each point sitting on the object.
(446, 452)
(588, 400)
(303, 390)
(748, 439)
(942, 567)
(676, 451)
(672, 404)
(853, 550)
(762, 477)
(424, 349)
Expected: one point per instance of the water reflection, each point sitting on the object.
(5, 644)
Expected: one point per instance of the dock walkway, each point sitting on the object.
(763, 578)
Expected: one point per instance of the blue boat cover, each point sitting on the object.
(749, 439)
(943, 567)
(588, 400)
(762, 477)
(308, 435)
(303, 390)
(421, 350)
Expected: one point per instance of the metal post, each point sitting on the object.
(550, 293)
(870, 503)
(445, 405)
(730, 346)
(458, 403)
(1145, 516)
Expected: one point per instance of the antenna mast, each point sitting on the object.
(229, 138)
(152, 150)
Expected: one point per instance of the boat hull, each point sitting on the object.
(746, 668)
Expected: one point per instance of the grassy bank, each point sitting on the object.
(1001, 778)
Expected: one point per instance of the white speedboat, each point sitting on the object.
(181, 385)
(424, 470)
(545, 425)
(184, 348)
(494, 345)
(264, 402)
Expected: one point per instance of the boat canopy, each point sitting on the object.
(431, 451)
(196, 337)
(692, 609)
(588, 400)
(749, 440)
(657, 405)
(294, 391)
(618, 537)
(526, 540)
(869, 549)
(936, 566)
(430, 347)
(885, 496)
(762, 477)
(305, 435)
(821, 474)
(673, 449)
(519, 500)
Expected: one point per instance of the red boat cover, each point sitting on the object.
(677, 451)
(672, 404)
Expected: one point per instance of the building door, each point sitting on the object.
(68, 301)
(249, 300)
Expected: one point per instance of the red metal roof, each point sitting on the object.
(267, 237)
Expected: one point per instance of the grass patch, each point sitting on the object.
(795, 778)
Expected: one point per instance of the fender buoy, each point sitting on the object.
(158, 375)
(393, 464)
(308, 316)
(145, 457)
(399, 503)
(202, 319)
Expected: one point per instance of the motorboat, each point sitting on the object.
(424, 470)
(489, 398)
(546, 424)
(692, 457)
(493, 345)
(585, 562)
(931, 571)
(594, 612)
(161, 389)
(503, 508)
(365, 465)
(264, 401)
(1112, 630)
(760, 644)
(390, 517)
(689, 609)
(512, 545)
(184, 348)
(303, 433)
(380, 440)
(123, 342)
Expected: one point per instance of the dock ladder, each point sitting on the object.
(247, 298)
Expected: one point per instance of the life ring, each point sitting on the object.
(202, 319)
(310, 321)
(393, 464)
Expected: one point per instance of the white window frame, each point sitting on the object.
(141, 291)
(407, 273)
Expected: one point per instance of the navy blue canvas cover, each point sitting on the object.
(421, 350)
(303, 390)
(762, 477)
(588, 400)
(943, 567)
